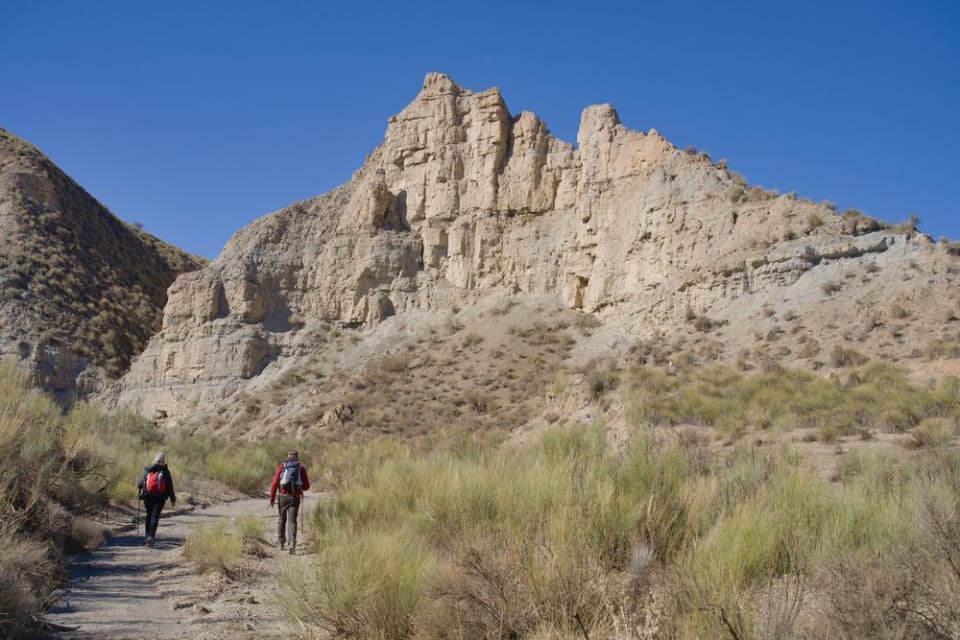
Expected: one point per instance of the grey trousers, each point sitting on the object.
(289, 507)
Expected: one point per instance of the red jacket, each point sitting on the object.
(276, 483)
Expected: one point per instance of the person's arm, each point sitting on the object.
(304, 480)
(170, 492)
(276, 483)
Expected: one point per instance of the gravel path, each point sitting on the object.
(126, 590)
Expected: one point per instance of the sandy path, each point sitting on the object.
(126, 590)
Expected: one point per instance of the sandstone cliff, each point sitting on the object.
(81, 292)
(463, 201)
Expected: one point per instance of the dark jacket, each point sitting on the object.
(276, 483)
(141, 484)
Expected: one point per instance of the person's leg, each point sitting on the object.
(149, 526)
(152, 507)
(292, 522)
(282, 505)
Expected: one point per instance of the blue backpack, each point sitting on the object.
(290, 477)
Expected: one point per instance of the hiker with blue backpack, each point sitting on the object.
(289, 483)
(155, 486)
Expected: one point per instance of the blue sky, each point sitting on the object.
(194, 118)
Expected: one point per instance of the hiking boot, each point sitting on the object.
(149, 542)
(281, 544)
(293, 549)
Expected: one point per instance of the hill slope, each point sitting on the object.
(80, 290)
(665, 253)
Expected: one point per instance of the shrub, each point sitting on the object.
(841, 357)
(601, 382)
(830, 287)
(814, 221)
(214, 549)
(27, 579)
(51, 466)
(369, 587)
(250, 527)
(933, 432)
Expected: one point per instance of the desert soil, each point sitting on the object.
(126, 590)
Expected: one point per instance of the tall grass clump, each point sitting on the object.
(221, 548)
(214, 548)
(50, 469)
(368, 586)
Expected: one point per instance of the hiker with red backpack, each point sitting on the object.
(290, 481)
(155, 485)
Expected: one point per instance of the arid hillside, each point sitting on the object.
(475, 258)
(80, 290)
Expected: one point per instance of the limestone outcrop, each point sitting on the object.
(463, 200)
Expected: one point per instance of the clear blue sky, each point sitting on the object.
(194, 118)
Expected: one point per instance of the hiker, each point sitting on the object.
(155, 485)
(290, 481)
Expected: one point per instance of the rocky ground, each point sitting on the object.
(126, 590)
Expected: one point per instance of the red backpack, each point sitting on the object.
(156, 484)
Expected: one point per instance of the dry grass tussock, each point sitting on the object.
(221, 548)
(50, 471)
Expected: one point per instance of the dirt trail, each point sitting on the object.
(126, 590)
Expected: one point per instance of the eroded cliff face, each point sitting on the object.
(463, 200)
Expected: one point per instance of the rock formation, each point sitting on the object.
(463, 200)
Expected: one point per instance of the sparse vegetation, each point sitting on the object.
(602, 381)
(814, 221)
(830, 287)
(900, 312)
(841, 357)
(96, 282)
(568, 535)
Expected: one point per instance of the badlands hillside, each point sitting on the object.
(475, 264)
(81, 291)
